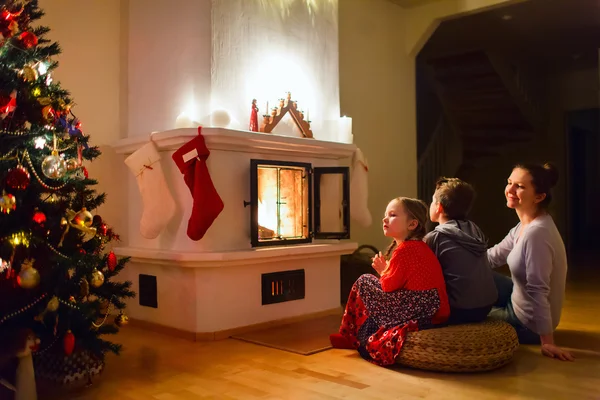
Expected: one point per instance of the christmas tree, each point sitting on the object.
(57, 273)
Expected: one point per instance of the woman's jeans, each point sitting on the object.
(503, 310)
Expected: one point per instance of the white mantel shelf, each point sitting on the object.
(236, 140)
(235, 258)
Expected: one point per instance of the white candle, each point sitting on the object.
(345, 130)
(183, 121)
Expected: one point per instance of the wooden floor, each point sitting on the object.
(154, 366)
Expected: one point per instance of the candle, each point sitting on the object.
(307, 117)
(266, 109)
(345, 130)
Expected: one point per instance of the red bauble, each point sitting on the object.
(82, 251)
(18, 178)
(103, 229)
(69, 343)
(28, 39)
(112, 261)
(39, 217)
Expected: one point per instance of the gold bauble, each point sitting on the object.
(97, 278)
(29, 74)
(44, 101)
(72, 164)
(48, 113)
(29, 277)
(121, 319)
(53, 166)
(84, 287)
(52, 304)
(83, 218)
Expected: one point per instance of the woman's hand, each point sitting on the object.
(553, 351)
(379, 263)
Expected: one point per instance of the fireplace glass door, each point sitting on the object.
(280, 193)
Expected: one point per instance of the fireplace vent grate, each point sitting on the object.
(278, 287)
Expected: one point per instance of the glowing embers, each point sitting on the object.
(282, 200)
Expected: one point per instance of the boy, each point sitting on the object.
(461, 248)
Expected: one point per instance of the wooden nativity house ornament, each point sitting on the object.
(286, 105)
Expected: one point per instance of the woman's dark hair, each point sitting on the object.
(543, 178)
(416, 209)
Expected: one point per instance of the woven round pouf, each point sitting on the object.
(476, 347)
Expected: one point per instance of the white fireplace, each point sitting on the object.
(226, 282)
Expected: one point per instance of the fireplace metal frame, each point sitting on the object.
(313, 211)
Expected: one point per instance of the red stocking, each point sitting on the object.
(191, 161)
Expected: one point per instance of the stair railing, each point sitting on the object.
(442, 156)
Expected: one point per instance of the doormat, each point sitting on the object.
(305, 337)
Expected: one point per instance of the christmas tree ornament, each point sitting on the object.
(97, 278)
(103, 229)
(39, 217)
(158, 204)
(8, 105)
(54, 166)
(83, 218)
(207, 204)
(48, 113)
(69, 343)
(4, 266)
(29, 277)
(112, 261)
(84, 287)
(36, 92)
(18, 177)
(28, 74)
(40, 142)
(42, 68)
(11, 15)
(72, 164)
(53, 304)
(8, 203)
(28, 40)
(44, 101)
(19, 239)
(121, 319)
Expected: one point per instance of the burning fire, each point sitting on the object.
(281, 204)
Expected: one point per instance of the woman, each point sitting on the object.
(410, 293)
(532, 300)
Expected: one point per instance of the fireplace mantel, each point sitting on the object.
(244, 141)
(236, 258)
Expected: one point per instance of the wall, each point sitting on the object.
(89, 34)
(377, 88)
(262, 49)
(168, 62)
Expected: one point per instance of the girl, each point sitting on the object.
(532, 300)
(410, 293)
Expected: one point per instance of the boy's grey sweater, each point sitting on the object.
(461, 248)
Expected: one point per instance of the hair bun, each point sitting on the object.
(551, 173)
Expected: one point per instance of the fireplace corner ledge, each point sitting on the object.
(235, 258)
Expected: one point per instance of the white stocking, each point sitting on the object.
(159, 206)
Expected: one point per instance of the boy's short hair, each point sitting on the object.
(456, 196)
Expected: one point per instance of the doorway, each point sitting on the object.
(583, 136)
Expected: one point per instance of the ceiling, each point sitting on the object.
(559, 32)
